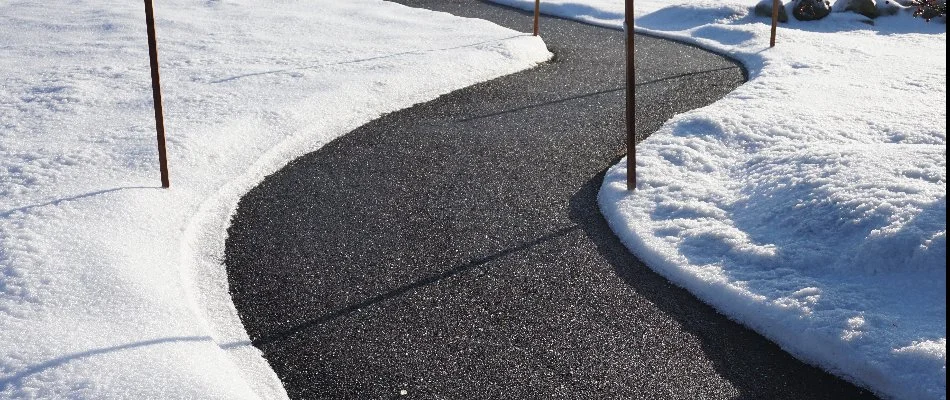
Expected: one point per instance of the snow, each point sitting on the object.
(111, 287)
(810, 203)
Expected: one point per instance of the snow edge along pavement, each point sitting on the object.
(203, 243)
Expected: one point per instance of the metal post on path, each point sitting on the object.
(156, 91)
(537, 15)
(775, 5)
(631, 101)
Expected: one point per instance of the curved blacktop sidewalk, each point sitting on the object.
(455, 249)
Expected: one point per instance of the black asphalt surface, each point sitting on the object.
(454, 250)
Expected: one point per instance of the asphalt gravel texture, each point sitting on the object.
(454, 250)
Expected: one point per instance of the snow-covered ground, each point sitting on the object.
(809, 204)
(111, 287)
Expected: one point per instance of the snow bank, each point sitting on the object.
(111, 287)
(810, 203)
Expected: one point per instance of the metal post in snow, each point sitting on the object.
(537, 15)
(156, 91)
(631, 101)
(775, 5)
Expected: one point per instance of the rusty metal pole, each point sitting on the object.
(537, 15)
(156, 92)
(631, 101)
(775, 5)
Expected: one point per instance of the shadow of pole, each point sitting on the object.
(11, 380)
(367, 59)
(342, 312)
(597, 93)
(7, 213)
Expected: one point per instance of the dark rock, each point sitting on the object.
(764, 9)
(932, 11)
(810, 10)
(867, 8)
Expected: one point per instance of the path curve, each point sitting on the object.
(455, 250)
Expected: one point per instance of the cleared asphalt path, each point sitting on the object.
(454, 250)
